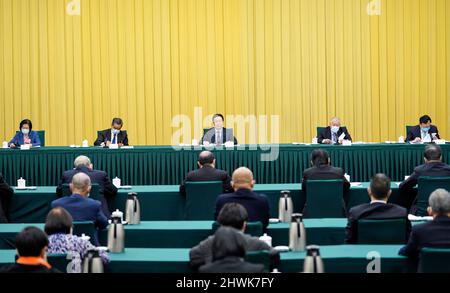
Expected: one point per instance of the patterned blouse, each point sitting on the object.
(75, 247)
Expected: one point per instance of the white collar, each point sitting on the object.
(377, 201)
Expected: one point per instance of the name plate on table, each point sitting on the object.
(25, 147)
(114, 146)
(439, 141)
(347, 142)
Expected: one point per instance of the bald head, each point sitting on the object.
(242, 178)
(81, 184)
(206, 158)
(82, 161)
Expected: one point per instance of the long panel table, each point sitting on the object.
(163, 202)
(337, 259)
(167, 165)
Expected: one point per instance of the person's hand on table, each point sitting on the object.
(120, 144)
(326, 141)
(341, 141)
(417, 139)
(206, 143)
(108, 143)
(12, 145)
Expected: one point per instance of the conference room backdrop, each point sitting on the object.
(149, 60)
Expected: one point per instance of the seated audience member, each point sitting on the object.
(6, 194)
(31, 244)
(113, 135)
(207, 172)
(231, 215)
(25, 136)
(83, 165)
(257, 205)
(424, 132)
(378, 208)
(228, 253)
(435, 233)
(59, 227)
(433, 167)
(322, 170)
(79, 206)
(331, 134)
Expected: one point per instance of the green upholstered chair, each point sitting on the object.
(426, 185)
(434, 260)
(252, 228)
(324, 199)
(201, 199)
(382, 231)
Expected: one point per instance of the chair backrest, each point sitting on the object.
(94, 194)
(84, 227)
(201, 199)
(58, 261)
(324, 199)
(434, 260)
(260, 257)
(205, 130)
(382, 231)
(319, 130)
(41, 134)
(426, 185)
(252, 228)
(408, 128)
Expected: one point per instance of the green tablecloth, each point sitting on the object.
(163, 165)
(163, 203)
(337, 259)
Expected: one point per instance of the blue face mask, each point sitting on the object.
(425, 129)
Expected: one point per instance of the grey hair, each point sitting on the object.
(82, 161)
(81, 181)
(337, 119)
(439, 201)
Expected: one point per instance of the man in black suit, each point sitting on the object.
(378, 208)
(435, 233)
(424, 132)
(433, 167)
(218, 134)
(31, 244)
(113, 135)
(235, 216)
(331, 134)
(207, 172)
(257, 205)
(228, 248)
(6, 194)
(83, 164)
(322, 170)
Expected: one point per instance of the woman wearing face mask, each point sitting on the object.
(25, 136)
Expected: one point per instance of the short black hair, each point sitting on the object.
(217, 115)
(319, 157)
(26, 121)
(380, 184)
(117, 121)
(58, 221)
(228, 242)
(424, 119)
(30, 241)
(432, 152)
(233, 215)
(206, 158)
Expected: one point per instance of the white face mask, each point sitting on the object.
(115, 131)
(25, 131)
(334, 129)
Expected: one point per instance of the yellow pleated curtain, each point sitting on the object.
(150, 60)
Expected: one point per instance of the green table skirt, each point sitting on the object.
(337, 259)
(164, 203)
(165, 165)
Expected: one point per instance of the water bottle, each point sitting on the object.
(297, 234)
(285, 206)
(313, 262)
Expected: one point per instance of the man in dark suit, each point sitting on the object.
(113, 135)
(322, 170)
(435, 233)
(207, 172)
(6, 194)
(433, 167)
(83, 165)
(31, 244)
(218, 134)
(235, 216)
(228, 249)
(378, 208)
(332, 134)
(79, 206)
(257, 205)
(424, 132)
